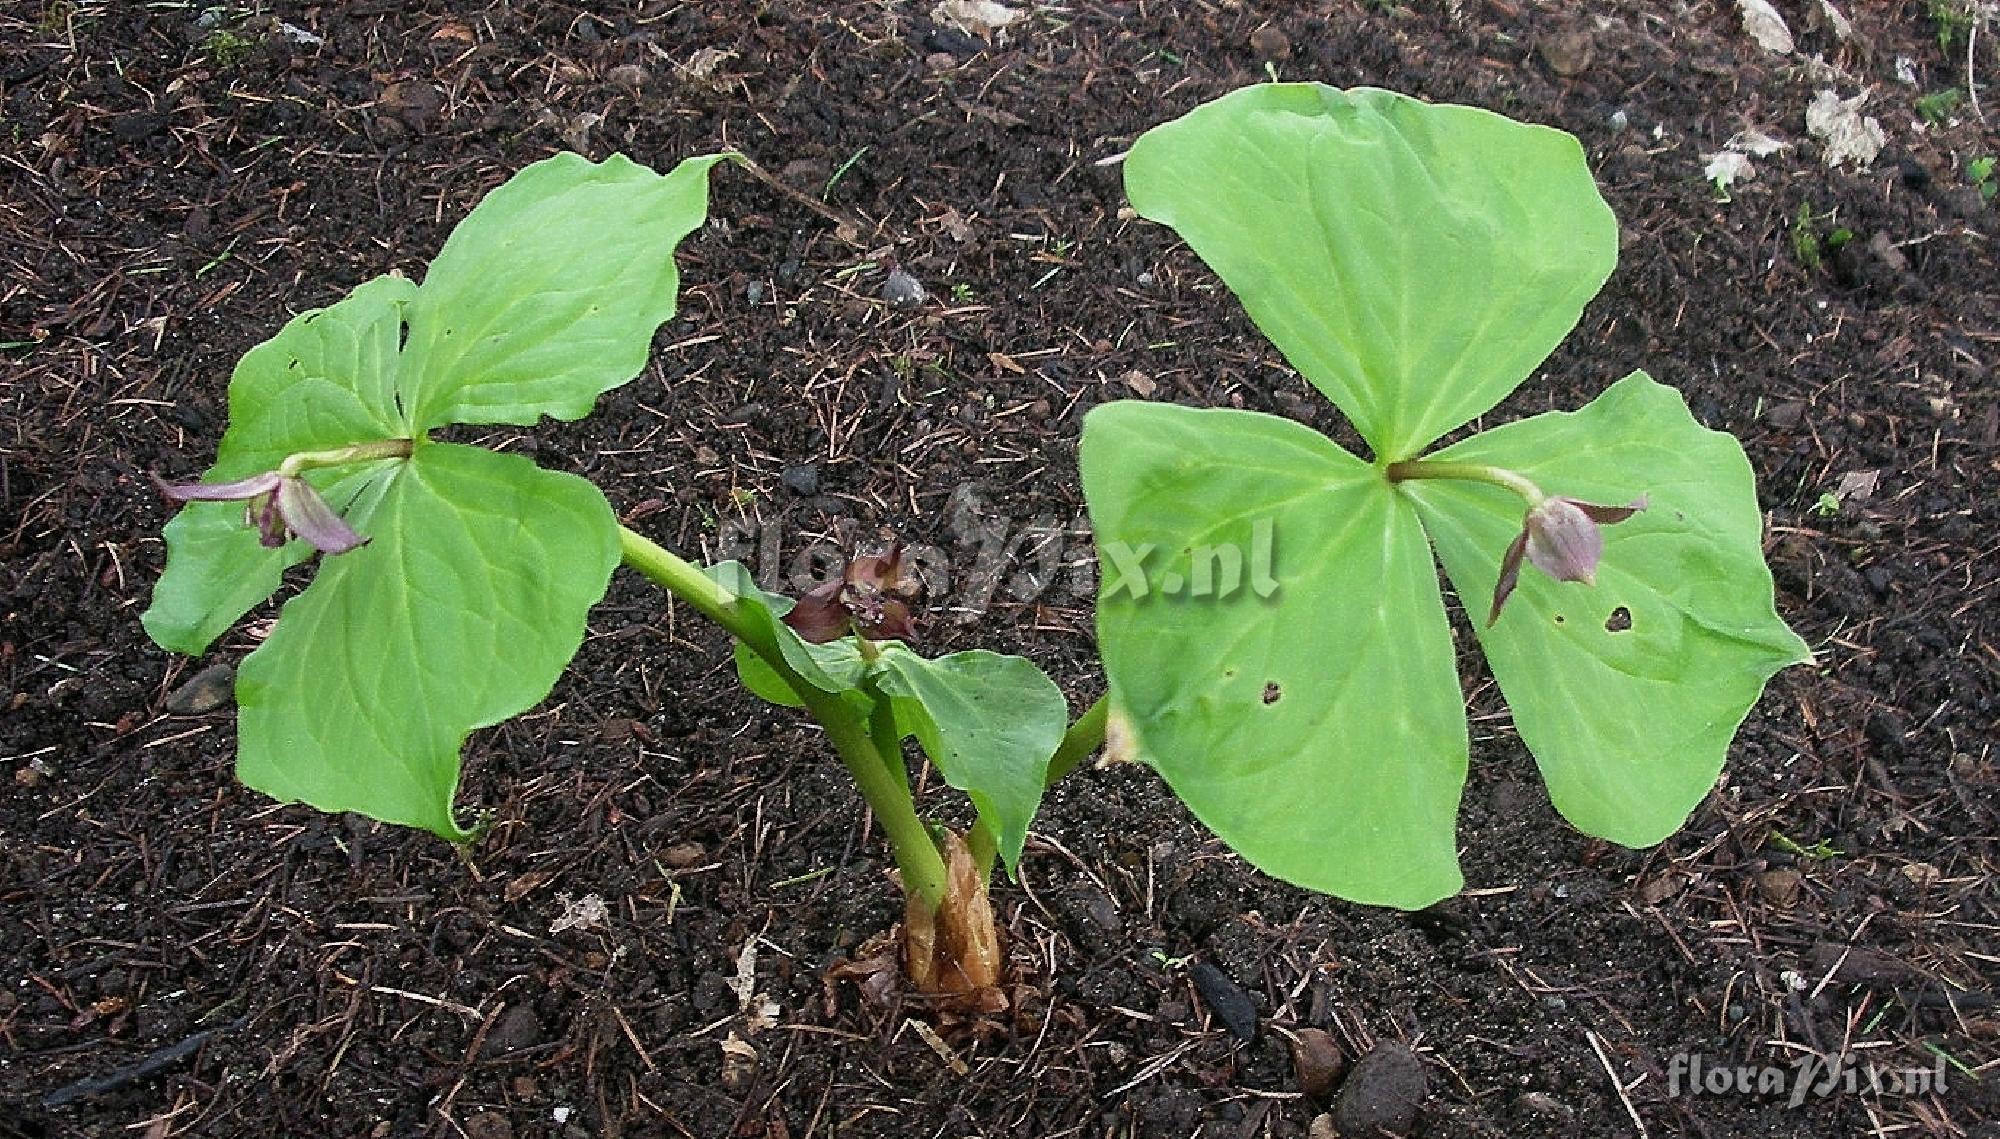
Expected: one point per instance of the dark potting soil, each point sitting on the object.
(179, 956)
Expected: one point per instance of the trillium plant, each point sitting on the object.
(1413, 262)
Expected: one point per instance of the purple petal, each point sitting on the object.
(1607, 515)
(1563, 542)
(238, 491)
(262, 512)
(893, 624)
(1510, 574)
(819, 616)
(879, 573)
(308, 516)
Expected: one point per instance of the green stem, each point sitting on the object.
(1083, 737)
(1468, 472)
(846, 729)
(302, 461)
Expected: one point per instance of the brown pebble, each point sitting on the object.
(1567, 54)
(1384, 1094)
(205, 691)
(1271, 43)
(1319, 1063)
(682, 855)
(1786, 415)
(488, 1125)
(1780, 887)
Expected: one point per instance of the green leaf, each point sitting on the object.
(460, 613)
(988, 722)
(1308, 710)
(325, 380)
(1414, 262)
(548, 293)
(1629, 727)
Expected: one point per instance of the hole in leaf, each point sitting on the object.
(1619, 621)
(1559, 618)
(1272, 692)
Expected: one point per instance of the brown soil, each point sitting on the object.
(177, 185)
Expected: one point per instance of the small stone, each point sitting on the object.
(1384, 1094)
(205, 691)
(1271, 43)
(630, 76)
(411, 100)
(1885, 729)
(137, 126)
(801, 479)
(1319, 1063)
(1568, 54)
(1543, 1104)
(940, 61)
(1786, 415)
(682, 855)
(1226, 999)
(1883, 248)
(902, 291)
(517, 1030)
(488, 1125)
(1779, 887)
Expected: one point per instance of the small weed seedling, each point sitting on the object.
(1270, 617)
(1981, 172)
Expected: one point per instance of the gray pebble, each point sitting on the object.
(801, 479)
(902, 291)
(1383, 1094)
(205, 691)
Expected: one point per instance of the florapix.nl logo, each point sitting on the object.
(987, 557)
(1808, 1077)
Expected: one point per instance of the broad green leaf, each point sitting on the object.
(460, 613)
(1270, 621)
(1629, 727)
(1415, 262)
(988, 722)
(327, 379)
(547, 294)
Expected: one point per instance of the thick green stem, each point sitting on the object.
(1083, 737)
(1468, 472)
(846, 728)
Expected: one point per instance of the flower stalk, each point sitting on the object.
(1559, 536)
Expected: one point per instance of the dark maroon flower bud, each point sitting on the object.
(820, 616)
(870, 598)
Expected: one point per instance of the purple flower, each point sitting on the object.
(1561, 537)
(278, 505)
(870, 597)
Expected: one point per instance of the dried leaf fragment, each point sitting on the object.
(1766, 26)
(1849, 135)
(953, 949)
